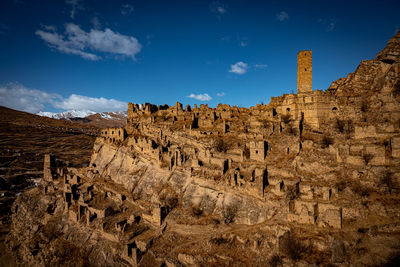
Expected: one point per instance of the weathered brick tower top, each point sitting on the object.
(304, 71)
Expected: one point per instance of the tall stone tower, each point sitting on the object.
(304, 71)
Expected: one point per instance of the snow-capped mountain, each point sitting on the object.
(67, 114)
(81, 114)
(98, 119)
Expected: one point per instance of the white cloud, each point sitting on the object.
(96, 23)
(201, 97)
(260, 66)
(221, 10)
(330, 27)
(75, 7)
(281, 16)
(239, 68)
(76, 41)
(328, 23)
(16, 96)
(218, 8)
(50, 28)
(127, 9)
(221, 94)
(98, 104)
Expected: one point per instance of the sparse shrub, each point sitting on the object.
(367, 158)
(221, 145)
(291, 130)
(396, 89)
(340, 125)
(286, 118)
(360, 189)
(167, 196)
(216, 221)
(292, 192)
(246, 152)
(292, 247)
(387, 180)
(275, 261)
(393, 260)
(219, 240)
(229, 213)
(137, 194)
(364, 106)
(341, 185)
(197, 211)
(207, 204)
(326, 141)
(171, 202)
(266, 124)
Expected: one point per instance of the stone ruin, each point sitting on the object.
(287, 156)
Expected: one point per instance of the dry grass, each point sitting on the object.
(396, 89)
(340, 125)
(292, 247)
(387, 180)
(197, 211)
(229, 213)
(292, 192)
(360, 189)
(275, 261)
(221, 145)
(326, 141)
(341, 185)
(292, 130)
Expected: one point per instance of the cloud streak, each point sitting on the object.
(328, 23)
(239, 68)
(218, 8)
(221, 94)
(330, 27)
(17, 96)
(260, 66)
(200, 97)
(75, 7)
(86, 44)
(127, 9)
(282, 16)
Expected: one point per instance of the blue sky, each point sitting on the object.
(86, 54)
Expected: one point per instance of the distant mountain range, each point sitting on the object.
(98, 119)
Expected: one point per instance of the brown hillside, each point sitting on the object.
(24, 139)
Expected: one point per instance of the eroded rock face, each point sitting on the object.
(390, 53)
(273, 184)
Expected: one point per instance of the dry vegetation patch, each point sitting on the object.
(292, 247)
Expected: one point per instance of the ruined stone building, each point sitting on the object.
(296, 162)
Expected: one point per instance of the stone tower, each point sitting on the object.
(304, 71)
